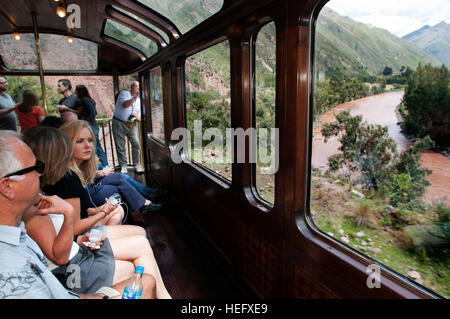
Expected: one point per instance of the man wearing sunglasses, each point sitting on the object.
(23, 267)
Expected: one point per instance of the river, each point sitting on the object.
(380, 109)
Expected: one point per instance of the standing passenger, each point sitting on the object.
(127, 111)
(8, 119)
(69, 102)
(88, 113)
(29, 112)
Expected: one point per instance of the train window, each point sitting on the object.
(156, 105)
(55, 49)
(371, 185)
(148, 24)
(18, 54)
(264, 114)
(122, 33)
(207, 109)
(185, 14)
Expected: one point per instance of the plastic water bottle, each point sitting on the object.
(133, 289)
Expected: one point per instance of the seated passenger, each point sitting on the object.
(84, 164)
(29, 112)
(69, 116)
(124, 248)
(23, 269)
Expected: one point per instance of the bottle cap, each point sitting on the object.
(139, 270)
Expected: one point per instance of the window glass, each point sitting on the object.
(148, 24)
(185, 14)
(156, 105)
(377, 183)
(58, 54)
(18, 54)
(120, 32)
(265, 67)
(207, 85)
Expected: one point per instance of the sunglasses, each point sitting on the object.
(39, 167)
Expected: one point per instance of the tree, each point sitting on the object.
(426, 104)
(368, 149)
(387, 71)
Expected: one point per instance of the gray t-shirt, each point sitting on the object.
(8, 121)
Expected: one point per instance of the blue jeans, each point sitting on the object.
(147, 192)
(115, 183)
(100, 152)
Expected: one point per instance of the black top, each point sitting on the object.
(70, 187)
(71, 101)
(88, 111)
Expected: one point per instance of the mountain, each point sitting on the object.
(362, 49)
(434, 40)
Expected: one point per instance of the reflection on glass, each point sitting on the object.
(372, 187)
(265, 64)
(18, 54)
(156, 105)
(185, 14)
(131, 37)
(148, 24)
(208, 116)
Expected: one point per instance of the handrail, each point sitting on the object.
(109, 146)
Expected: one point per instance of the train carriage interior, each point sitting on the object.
(231, 96)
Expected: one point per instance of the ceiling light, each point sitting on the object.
(61, 12)
(16, 35)
(69, 38)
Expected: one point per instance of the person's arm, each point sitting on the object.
(8, 110)
(81, 225)
(40, 227)
(104, 172)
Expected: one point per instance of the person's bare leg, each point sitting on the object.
(137, 250)
(123, 270)
(119, 231)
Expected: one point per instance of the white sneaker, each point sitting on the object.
(124, 170)
(138, 169)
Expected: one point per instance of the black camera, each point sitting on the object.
(131, 118)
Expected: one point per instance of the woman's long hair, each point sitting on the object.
(52, 147)
(82, 91)
(29, 99)
(86, 170)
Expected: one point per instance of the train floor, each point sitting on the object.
(188, 270)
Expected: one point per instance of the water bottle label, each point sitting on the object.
(132, 293)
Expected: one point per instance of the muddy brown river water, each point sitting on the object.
(380, 109)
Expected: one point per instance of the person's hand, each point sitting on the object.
(85, 237)
(54, 205)
(107, 207)
(138, 117)
(18, 104)
(63, 108)
(107, 170)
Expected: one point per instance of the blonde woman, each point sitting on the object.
(84, 164)
(124, 247)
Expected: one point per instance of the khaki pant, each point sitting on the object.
(120, 130)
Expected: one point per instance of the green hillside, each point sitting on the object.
(434, 40)
(360, 48)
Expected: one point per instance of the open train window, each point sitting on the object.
(207, 107)
(264, 64)
(156, 105)
(371, 188)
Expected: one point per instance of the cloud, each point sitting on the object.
(399, 17)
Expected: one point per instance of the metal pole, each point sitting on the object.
(38, 54)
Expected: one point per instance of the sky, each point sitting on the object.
(399, 17)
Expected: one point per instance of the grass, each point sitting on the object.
(336, 211)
